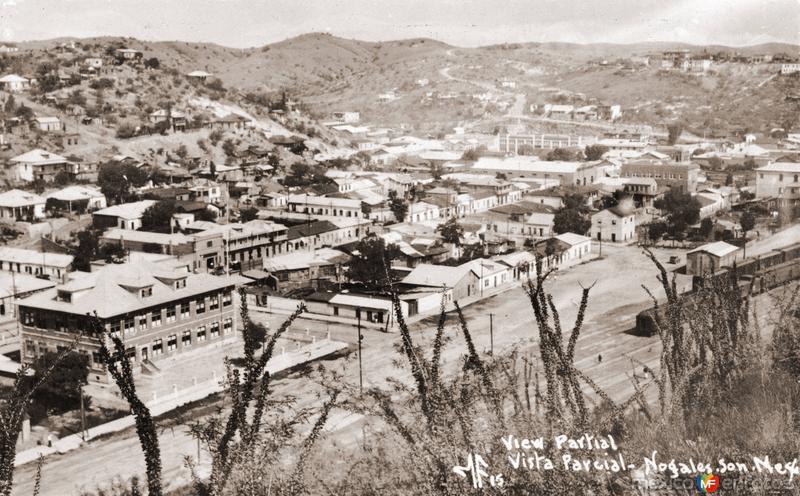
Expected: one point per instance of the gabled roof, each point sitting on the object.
(312, 229)
(13, 78)
(718, 249)
(133, 210)
(572, 239)
(38, 156)
(76, 193)
(436, 275)
(19, 198)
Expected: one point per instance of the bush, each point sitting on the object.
(126, 130)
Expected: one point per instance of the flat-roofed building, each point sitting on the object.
(567, 173)
(325, 206)
(677, 175)
(36, 263)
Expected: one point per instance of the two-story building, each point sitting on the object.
(324, 206)
(780, 181)
(615, 224)
(155, 309)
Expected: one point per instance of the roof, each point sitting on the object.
(523, 208)
(104, 290)
(19, 198)
(312, 229)
(13, 78)
(718, 249)
(324, 201)
(352, 300)
(572, 239)
(523, 163)
(38, 156)
(33, 257)
(304, 259)
(620, 211)
(116, 234)
(436, 275)
(12, 284)
(199, 74)
(76, 193)
(132, 210)
(44, 120)
(789, 167)
(233, 118)
(484, 266)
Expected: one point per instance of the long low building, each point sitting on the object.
(567, 173)
(36, 263)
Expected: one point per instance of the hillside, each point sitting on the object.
(329, 73)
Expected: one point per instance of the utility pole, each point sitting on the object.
(491, 334)
(83, 413)
(360, 371)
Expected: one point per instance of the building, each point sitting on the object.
(36, 263)
(615, 224)
(14, 286)
(325, 206)
(128, 54)
(327, 233)
(711, 257)
(455, 282)
(37, 164)
(199, 75)
(124, 215)
(780, 181)
(347, 117)
(17, 205)
(157, 310)
(566, 173)
(668, 174)
(525, 219)
(643, 190)
(306, 269)
(93, 62)
(786, 69)
(14, 83)
(47, 124)
(231, 122)
(77, 198)
(175, 119)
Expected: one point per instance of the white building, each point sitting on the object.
(780, 180)
(615, 225)
(14, 83)
(792, 68)
(36, 263)
(325, 206)
(21, 205)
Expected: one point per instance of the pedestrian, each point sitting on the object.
(49, 440)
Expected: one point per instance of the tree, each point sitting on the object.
(62, 178)
(570, 220)
(116, 179)
(152, 63)
(682, 210)
(257, 332)
(229, 147)
(674, 132)
(182, 152)
(748, 222)
(451, 231)
(706, 226)
(594, 152)
(370, 263)
(398, 206)
(248, 214)
(60, 390)
(158, 217)
(561, 154)
(656, 230)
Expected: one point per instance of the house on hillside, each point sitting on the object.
(18, 205)
(124, 215)
(37, 164)
(201, 76)
(128, 55)
(47, 124)
(14, 83)
(76, 198)
(175, 119)
(231, 122)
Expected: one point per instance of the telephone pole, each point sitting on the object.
(360, 370)
(491, 334)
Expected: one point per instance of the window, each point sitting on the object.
(155, 318)
(209, 244)
(129, 326)
(227, 299)
(142, 322)
(158, 347)
(796, 177)
(201, 333)
(184, 310)
(172, 342)
(27, 318)
(147, 292)
(335, 311)
(96, 358)
(115, 327)
(170, 314)
(30, 348)
(227, 325)
(214, 330)
(780, 177)
(201, 307)
(214, 302)
(186, 339)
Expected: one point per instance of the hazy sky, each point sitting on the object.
(245, 23)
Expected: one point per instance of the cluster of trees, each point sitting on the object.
(589, 153)
(682, 210)
(116, 179)
(573, 216)
(303, 174)
(370, 264)
(398, 206)
(88, 248)
(158, 217)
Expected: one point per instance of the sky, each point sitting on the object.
(248, 23)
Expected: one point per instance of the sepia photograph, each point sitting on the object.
(401, 248)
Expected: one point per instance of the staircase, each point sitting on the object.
(150, 369)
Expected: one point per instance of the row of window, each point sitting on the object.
(131, 324)
(780, 177)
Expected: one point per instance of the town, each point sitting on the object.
(150, 193)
